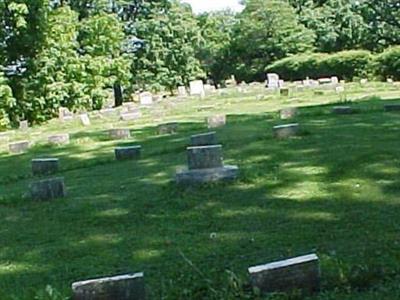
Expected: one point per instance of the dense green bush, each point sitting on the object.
(387, 64)
(7, 101)
(345, 65)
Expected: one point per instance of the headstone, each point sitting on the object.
(84, 118)
(59, 139)
(18, 147)
(392, 107)
(44, 166)
(108, 112)
(23, 125)
(168, 128)
(300, 273)
(325, 80)
(182, 91)
(146, 98)
(319, 93)
(204, 139)
(129, 106)
(216, 121)
(335, 80)
(197, 88)
(340, 89)
(128, 152)
(231, 82)
(363, 81)
(288, 113)
(130, 116)
(206, 165)
(48, 189)
(273, 81)
(118, 134)
(205, 107)
(284, 92)
(123, 287)
(286, 131)
(281, 83)
(4, 138)
(64, 114)
(343, 110)
(389, 80)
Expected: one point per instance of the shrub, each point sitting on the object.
(345, 64)
(387, 64)
(7, 102)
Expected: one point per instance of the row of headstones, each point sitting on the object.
(274, 81)
(296, 274)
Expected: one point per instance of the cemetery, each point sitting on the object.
(152, 150)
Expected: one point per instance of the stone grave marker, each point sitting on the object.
(122, 287)
(389, 80)
(273, 81)
(23, 125)
(128, 152)
(288, 113)
(48, 189)
(44, 166)
(119, 134)
(343, 110)
(168, 128)
(286, 131)
(205, 164)
(108, 112)
(84, 118)
(197, 88)
(334, 80)
(363, 81)
(59, 139)
(182, 91)
(64, 114)
(204, 139)
(131, 116)
(299, 273)
(325, 80)
(284, 92)
(392, 107)
(18, 147)
(146, 98)
(216, 121)
(4, 138)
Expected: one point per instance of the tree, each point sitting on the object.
(7, 102)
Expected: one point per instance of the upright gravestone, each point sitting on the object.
(128, 152)
(23, 125)
(273, 81)
(64, 114)
(284, 92)
(334, 80)
(392, 107)
(59, 139)
(300, 273)
(205, 164)
(146, 98)
(44, 166)
(84, 118)
(204, 139)
(123, 287)
(118, 134)
(216, 121)
(131, 115)
(288, 113)
(286, 131)
(18, 147)
(48, 189)
(197, 88)
(182, 91)
(168, 128)
(108, 112)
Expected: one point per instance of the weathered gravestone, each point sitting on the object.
(128, 152)
(18, 147)
(334, 80)
(48, 189)
(300, 273)
(84, 118)
(59, 139)
(363, 81)
(325, 80)
(123, 287)
(118, 134)
(64, 114)
(197, 88)
(286, 131)
(273, 81)
(284, 92)
(392, 107)
(205, 164)
(343, 110)
(216, 121)
(146, 98)
(182, 91)
(131, 116)
(44, 166)
(4, 138)
(23, 125)
(168, 128)
(288, 113)
(108, 112)
(204, 139)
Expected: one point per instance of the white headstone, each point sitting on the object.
(146, 98)
(273, 80)
(197, 88)
(84, 119)
(334, 80)
(182, 91)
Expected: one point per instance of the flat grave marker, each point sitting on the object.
(48, 189)
(19, 147)
(216, 121)
(204, 139)
(59, 139)
(44, 166)
(119, 133)
(286, 131)
(128, 152)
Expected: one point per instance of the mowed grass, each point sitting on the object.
(335, 190)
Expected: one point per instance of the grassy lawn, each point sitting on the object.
(335, 190)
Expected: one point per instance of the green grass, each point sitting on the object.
(334, 191)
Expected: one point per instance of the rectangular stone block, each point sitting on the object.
(197, 88)
(288, 113)
(128, 153)
(300, 273)
(146, 98)
(119, 134)
(108, 112)
(192, 177)
(205, 157)
(285, 131)
(44, 166)
(216, 121)
(18, 147)
(343, 110)
(284, 92)
(85, 120)
(64, 114)
(392, 107)
(130, 116)
(23, 125)
(48, 189)
(123, 287)
(59, 139)
(204, 139)
(169, 128)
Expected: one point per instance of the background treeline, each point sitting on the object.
(71, 52)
